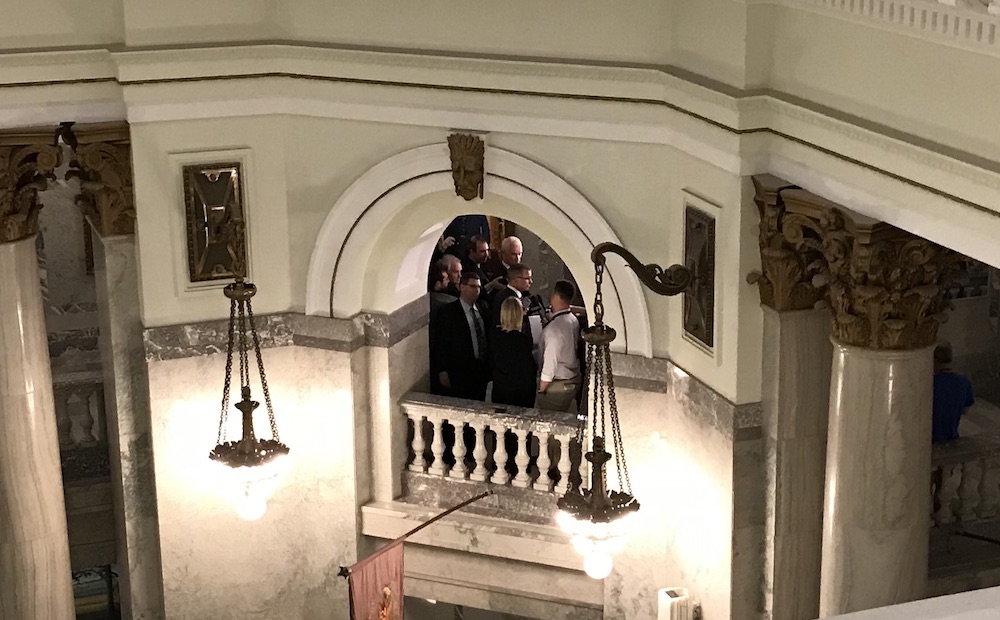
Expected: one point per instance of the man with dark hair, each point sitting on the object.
(460, 353)
(476, 257)
(952, 396)
(560, 376)
(518, 284)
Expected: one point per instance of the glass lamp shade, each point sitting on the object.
(249, 486)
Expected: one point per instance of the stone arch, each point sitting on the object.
(390, 217)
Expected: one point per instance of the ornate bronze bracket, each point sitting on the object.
(672, 281)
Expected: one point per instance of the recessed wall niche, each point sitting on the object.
(216, 226)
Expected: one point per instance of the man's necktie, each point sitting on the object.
(480, 334)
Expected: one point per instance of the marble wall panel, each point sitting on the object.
(216, 565)
(681, 467)
(126, 400)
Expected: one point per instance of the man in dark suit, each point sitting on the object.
(460, 356)
(475, 260)
(518, 283)
(496, 266)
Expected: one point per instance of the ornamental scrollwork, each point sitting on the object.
(106, 193)
(790, 255)
(24, 171)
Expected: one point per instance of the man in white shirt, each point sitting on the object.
(560, 375)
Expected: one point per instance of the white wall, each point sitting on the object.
(216, 565)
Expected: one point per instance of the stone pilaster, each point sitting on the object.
(794, 401)
(128, 423)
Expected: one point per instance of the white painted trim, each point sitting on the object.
(346, 243)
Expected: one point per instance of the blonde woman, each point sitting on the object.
(514, 368)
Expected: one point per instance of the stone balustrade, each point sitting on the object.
(966, 480)
(514, 447)
(81, 425)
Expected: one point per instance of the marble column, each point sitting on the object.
(795, 389)
(126, 395)
(877, 519)
(885, 290)
(35, 577)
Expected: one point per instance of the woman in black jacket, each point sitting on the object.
(515, 371)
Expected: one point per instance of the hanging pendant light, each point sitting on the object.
(599, 518)
(253, 467)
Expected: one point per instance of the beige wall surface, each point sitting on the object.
(913, 85)
(298, 168)
(61, 23)
(637, 31)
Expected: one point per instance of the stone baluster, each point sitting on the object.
(64, 422)
(989, 487)
(419, 463)
(565, 464)
(968, 490)
(480, 454)
(522, 459)
(85, 416)
(460, 470)
(947, 493)
(438, 467)
(100, 415)
(543, 482)
(500, 476)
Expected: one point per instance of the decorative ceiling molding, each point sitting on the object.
(967, 24)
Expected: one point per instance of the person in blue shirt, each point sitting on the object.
(952, 396)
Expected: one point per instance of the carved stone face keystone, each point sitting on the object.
(467, 164)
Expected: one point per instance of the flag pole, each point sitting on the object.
(345, 571)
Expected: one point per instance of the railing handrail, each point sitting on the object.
(964, 449)
(460, 410)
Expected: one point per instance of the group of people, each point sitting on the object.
(484, 327)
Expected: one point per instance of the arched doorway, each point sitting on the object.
(372, 251)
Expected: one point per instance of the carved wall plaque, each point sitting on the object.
(467, 164)
(699, 257)
(24, 171)
(216, 227)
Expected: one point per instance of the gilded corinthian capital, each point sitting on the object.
(885, 286)
(790, 251)
(24, 171)
(104, 169)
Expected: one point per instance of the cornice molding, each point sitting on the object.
(722, 125)
(966, 25)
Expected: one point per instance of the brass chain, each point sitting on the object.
(598, 296)
(229, 371)
(616, 429)
(263, 376)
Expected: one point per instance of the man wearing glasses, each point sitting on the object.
(518, 284)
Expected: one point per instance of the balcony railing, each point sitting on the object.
(508, 447)
(966, 480)
(81, 425)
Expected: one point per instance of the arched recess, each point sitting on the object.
(372, 251)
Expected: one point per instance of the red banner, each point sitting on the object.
(376, 585)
